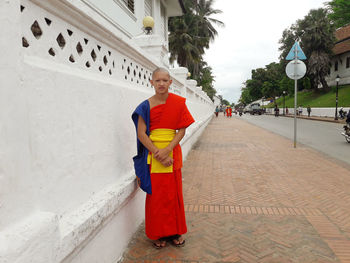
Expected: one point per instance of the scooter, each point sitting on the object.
(346, 132)
(342, 114)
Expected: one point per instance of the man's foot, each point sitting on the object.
(178, 241)
(160, 243)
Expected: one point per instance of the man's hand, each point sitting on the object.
(138, 181)
(167, 162)
(162, 154)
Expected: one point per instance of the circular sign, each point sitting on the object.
(296, 69)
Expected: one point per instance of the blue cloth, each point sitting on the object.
(140, 160)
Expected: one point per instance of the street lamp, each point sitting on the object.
(336, 98)
(284, 102)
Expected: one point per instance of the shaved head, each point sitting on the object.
(160, 70)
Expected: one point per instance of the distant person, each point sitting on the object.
(229, 111)
(287, 111)
(342, 113)
(217, 111)
(300, 110)
(277, 111)
(224, 110)
(308, 111)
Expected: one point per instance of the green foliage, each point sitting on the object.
(206, 79)
(318, 99)
(190, 35)
(339, 12)
(225, 102)
(245, 96)
(316, 33)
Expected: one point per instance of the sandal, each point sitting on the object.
(176, 241)
(160, 243)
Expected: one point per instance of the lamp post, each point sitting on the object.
(336, 98)
(284, 102)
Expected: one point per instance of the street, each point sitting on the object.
(322, 136)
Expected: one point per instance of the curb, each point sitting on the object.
(313, 118)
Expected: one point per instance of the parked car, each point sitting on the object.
(255, 108)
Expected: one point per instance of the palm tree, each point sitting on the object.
(317, 38)
(204, 11)
(191, 34)
(316, 33)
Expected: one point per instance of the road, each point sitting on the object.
(322, 136)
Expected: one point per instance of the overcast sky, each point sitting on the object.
(250, 38)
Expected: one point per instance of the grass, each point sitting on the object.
(317, 99)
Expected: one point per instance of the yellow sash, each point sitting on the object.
(161, 139)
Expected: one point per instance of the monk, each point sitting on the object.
(161, 123)
(229, 111)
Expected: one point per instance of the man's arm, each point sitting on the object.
(162, 154)
(143, 137)
(146, 141)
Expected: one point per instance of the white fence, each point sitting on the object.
(317, 112)
(68, 86)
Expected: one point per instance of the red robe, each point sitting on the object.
(165, 214)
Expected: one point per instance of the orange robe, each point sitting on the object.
(165, 214)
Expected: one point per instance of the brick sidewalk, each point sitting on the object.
(251, 197)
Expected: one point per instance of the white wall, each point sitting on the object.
(67, 185)
(343, 72)
(318, 112)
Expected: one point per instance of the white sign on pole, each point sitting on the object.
(296, 69)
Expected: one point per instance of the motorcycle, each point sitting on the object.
(346, 132)
(342, 114)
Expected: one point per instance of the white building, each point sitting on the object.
(341, 60)
(71, 73)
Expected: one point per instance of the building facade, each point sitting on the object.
(71, 74)
(340, 65)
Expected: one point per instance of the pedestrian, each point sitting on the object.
(228, 111)
(300, 110)
(286, 110)
(217, 111)
(308, 111)
(277, 111)
(160, 123)
(224, 110)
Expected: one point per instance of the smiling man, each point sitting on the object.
(161, 122)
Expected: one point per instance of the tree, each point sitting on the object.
(191, 34)
(225, 102)
(316, 33)
(339, 12)
(317, 37)
(206, 80)
(182, 44)
(254, 88)
(245, 96)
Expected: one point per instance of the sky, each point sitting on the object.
(250, 39)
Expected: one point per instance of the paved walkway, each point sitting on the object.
(251, 197)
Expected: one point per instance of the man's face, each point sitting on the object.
(161, 82)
